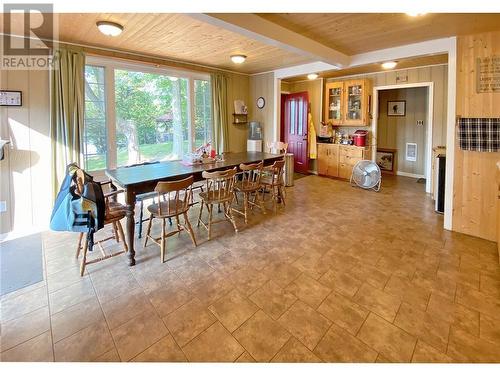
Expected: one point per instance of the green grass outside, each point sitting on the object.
(148, 152)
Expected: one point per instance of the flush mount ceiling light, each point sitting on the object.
(312, 76)
(109, 28)
(238, 59)
(416, 14)
(389, 64)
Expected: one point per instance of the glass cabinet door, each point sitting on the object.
(354, 102)
(334, 104)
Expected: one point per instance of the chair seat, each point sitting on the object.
(116, 211)
(167, 211)
(215, 196)
(247, 187)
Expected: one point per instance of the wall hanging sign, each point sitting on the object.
(396, 108)
(10, 98)
(488, 74)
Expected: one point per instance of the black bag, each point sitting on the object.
(78, 213)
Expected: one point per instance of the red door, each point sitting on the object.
(295, 129)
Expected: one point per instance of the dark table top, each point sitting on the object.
(175, 169)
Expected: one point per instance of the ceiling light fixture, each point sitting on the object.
(238, 59)
(312, 76)
(109, 28)
(389, 64)
(416, 14)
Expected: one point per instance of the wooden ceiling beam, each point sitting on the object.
(259, 29)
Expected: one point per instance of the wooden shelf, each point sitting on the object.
(240, 118)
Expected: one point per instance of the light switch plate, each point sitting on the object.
(3, 206)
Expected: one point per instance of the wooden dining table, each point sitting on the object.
(142, 179)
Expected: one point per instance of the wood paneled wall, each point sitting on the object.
(475, 191)
(438, 74)
(238, 88)
(263, 85)
(25, 173)
(395, 132)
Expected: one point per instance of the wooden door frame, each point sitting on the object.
(429, 127)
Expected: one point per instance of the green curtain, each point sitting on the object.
(67, 111)
(220, 126)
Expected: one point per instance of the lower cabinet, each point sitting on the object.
(338, 160)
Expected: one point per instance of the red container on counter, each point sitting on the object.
(359, 138)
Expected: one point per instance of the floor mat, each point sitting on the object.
(21, 263)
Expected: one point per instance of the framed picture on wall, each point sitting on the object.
(9, 98)
(386, 159)
(396, 108)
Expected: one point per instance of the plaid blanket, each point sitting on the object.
(479, 134)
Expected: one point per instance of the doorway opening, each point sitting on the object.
(402, 127)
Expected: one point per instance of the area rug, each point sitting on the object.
(21, 263)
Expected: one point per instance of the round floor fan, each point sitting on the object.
(366, 174)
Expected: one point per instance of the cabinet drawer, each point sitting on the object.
(350, 160)
(355, 152)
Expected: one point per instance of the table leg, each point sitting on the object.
(130, 201)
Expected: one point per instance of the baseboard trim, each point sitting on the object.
(412, 175)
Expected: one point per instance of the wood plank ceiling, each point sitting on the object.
(353, 33)
(181, 37)
(176, 36)
(374, 68)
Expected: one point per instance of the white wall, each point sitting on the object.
(25, 173)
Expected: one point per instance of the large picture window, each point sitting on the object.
(94, 134)
(146, 115)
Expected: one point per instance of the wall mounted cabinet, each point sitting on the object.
(348, 103)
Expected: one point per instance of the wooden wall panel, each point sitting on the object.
(25, 172)
(436, 74)
(474, 199)
(263, 85)
(238, 88)
(40, 144)
(5, 175)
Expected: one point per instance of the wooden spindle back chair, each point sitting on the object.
(114, 212)
(273, 181)
(280, 147)
(219, 189)
(177, 199)
(249, 184)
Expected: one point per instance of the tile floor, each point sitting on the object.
(339, 275)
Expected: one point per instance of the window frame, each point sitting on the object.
(110, 65)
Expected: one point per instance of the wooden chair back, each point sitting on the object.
(220, 184)
(251, 174)
(176, 194)
(280, 147)
(277, 170)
